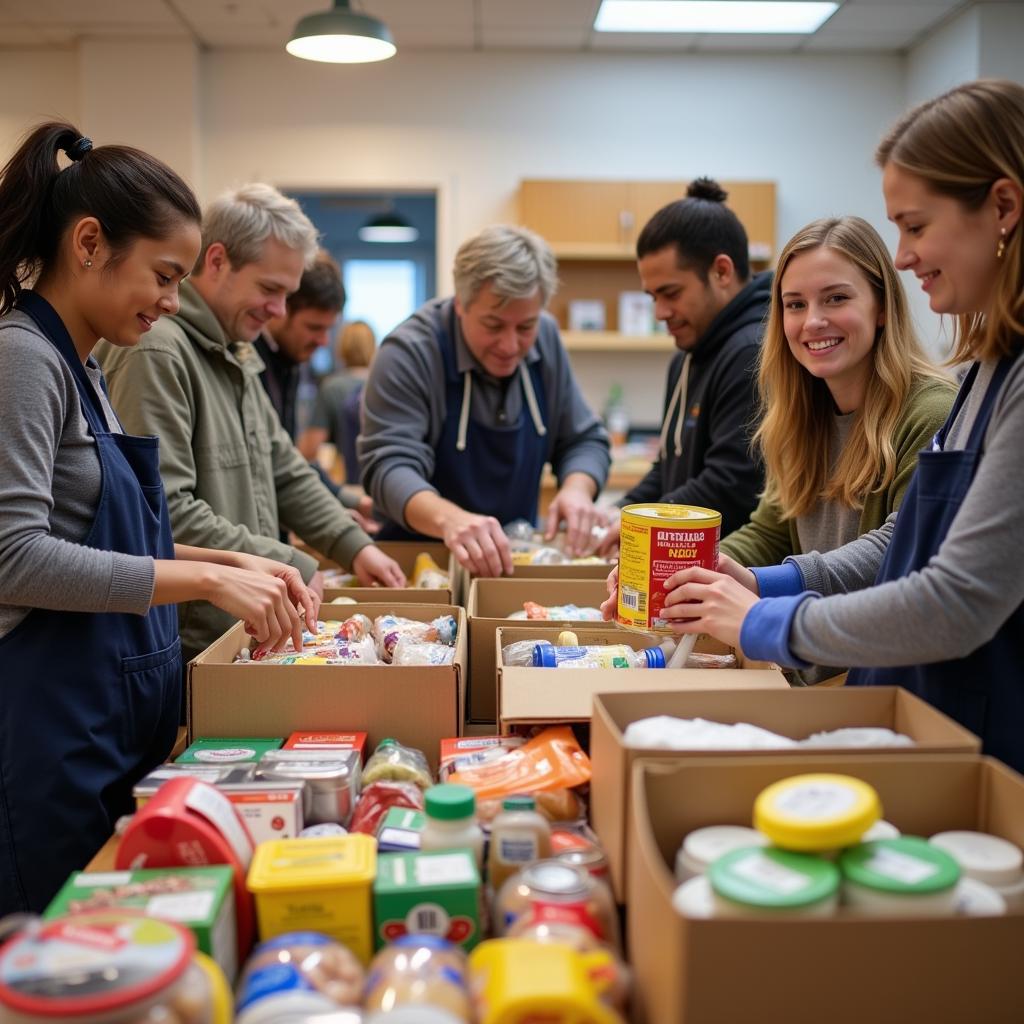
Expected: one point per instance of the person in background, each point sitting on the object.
(89, 574)
(286, 342)
(336, 413)
(469, 398)
(693, 259)
(847, 400)
(945, 617)
(232, 474)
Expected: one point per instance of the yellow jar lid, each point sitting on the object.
(816, 812)
(326, 862)
(221, 1003)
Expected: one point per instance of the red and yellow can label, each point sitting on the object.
(657, 541)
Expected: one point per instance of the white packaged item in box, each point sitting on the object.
(664, 732)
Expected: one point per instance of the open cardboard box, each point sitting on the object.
(545, 573)
(839, 970)
(419, 706)
(489, 604)
(404, 552)
(542, 696)
(796, 713)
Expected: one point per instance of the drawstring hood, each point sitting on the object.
(678, 400)
(467, 394)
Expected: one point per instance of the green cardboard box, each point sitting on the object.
(399, 830)
(201, 898)
(436, 892)
(230, 750)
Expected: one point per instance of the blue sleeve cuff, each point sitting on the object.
(778, 580)
(764, 635)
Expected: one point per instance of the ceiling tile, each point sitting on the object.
(840, 42)
(534, 38)
(527, 14)
(633, 41)
(424, 13)
(94, 14)
(880, 18)
(766, 41)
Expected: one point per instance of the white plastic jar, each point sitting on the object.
(694, 898)
(976, 899)
(451, 821)
(705, 845)
(996, 862)
(905, 877)
(769, 882)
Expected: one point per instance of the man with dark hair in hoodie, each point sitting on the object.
(693, 260)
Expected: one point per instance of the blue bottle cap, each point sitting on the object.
(655, 657)
(544, 655)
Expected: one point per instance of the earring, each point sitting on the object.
(1001, 247)
(87, 263)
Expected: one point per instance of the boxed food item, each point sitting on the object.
(328, 741)
(460, 752)
(796, 713)
(437, 893)
(209, 750)
(399, 830)
(421, 704)
(889, 968)
(201, 898)
(532, 696)
(489, 604)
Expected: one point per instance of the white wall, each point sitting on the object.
(1001, 41)
(35, 85)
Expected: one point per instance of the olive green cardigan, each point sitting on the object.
(769, 538)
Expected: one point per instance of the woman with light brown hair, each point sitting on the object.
(946, 616)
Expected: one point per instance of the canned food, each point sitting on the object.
(657, 541)
(331, 778)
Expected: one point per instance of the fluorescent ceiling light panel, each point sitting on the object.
(719, 16)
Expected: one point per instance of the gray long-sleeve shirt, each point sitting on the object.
(965, 593)
(405, 410)
(49, 487)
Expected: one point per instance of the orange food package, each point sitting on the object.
(551, 760)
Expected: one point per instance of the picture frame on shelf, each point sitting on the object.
(636, 313)
(586, 315)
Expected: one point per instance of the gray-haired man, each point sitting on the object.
(469, 398)
(232, 475)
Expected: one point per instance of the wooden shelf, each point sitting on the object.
(593, 251)
(613, 341)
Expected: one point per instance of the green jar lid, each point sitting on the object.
(450, 801)
(772, 879)
(387, 742)
(906, 866)
(519, 803)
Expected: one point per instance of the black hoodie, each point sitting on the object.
(712, 465)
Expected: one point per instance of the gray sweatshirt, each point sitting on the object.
(404, 409)
(968, 589)
(49, 488)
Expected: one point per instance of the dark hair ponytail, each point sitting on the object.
(700, 227)
(130, 193)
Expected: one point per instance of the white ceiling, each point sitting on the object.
(449, 24)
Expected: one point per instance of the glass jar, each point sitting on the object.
(419, 970)
(109, 967)
(451, 821)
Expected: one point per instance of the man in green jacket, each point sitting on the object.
(232, 475)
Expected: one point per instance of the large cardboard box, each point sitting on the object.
(541, 573)
(418, 706)
(489, 604)
(796, 713)
(542, 696)
(812, 970)
(404, 552)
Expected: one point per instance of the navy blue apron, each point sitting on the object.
(984, 691)
(498, 474)
(88, 701)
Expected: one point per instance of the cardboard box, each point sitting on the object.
(419, 706)
(489, 604)
(796, 713)
(463, 578)
(811, 970)
(536, 696)
(404, 552)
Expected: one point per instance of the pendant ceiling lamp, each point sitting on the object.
(388, 227)
(341, 36)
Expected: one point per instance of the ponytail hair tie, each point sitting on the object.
(78, 148)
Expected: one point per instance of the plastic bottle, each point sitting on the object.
(519, 836)
(767, 881)
(419, 970)
(451, 821)
(546, 655)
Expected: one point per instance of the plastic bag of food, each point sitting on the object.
(467, 751)
(416, 652)
(389, 629)
(562, 806)
(355, 627)
(695, 659)
(428, 575)
(378, 798)
(563, 612)
(396, 763)
(553, 759)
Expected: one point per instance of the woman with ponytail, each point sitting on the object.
(89, 575)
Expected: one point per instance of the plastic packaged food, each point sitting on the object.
(767, 881)
(703, 846)
(428, 575)
(666, 732)
(859, 737)
(520, 835)
(356, 627)
(300, 972)
(553, 759)
(519, 652)
(419, 970)
(464, 751)
(451, 821)
(110, 967)
(393, 762)
(816, 812)
(418, 652)
(378, 798)
(331, 781)
(557, 612)
(389, 629)
(899, 877)
(698, 659)
(546, 655)
(317, 884)
(579, 846)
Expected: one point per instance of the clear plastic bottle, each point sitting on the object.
(546, 655)
(520, 835)
(451, 821)
(419, 970)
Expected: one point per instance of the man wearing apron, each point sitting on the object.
(466, 402)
